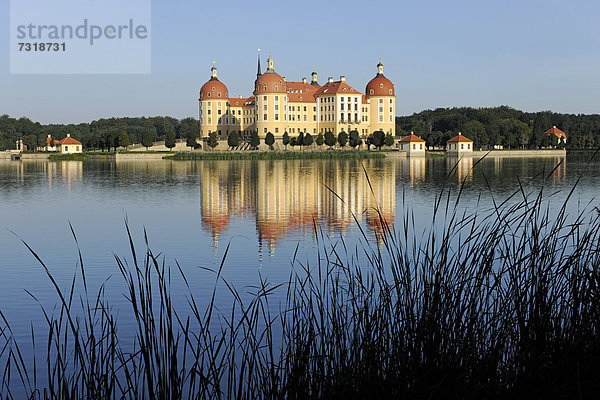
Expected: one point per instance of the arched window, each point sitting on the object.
(371, 92)
(390, 91)
(381, 85)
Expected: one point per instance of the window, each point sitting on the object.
(462, 146)
(265, 97)
(209, 111)
(381, 85)
(277, 107)
(66, 148)
(380, 101)
(371, 91)
(414, 146)
(219, 112)
(380, 109)
(265, 117)
(276, 98)
(276, 117)
(276, 130)
(304, 108)
(381, 118)
(219, 94)
(421, 146)
(265, 130)
(390, 91)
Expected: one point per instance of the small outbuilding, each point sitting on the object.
(69, 145)
(459, 144)
(412, 145)
(560, 135)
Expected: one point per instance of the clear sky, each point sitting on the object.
(529, 54)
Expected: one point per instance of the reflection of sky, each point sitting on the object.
(262, 209)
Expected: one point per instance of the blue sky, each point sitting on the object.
(531, 55)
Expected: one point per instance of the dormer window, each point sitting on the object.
(264, 88)
(371, 91)
(276, 87)
(390, 91)
(213, 89)
(344, 89)
(208, 94)
(352, 89)
(219, 94)
(381, 85)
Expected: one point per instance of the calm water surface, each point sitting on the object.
(263, 210)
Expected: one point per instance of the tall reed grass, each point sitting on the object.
(502, 303)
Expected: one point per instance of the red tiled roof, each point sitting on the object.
(411, 138)
(460, 138)
(239, 102)
(556, 132)
(336, 87)
(68, 140)
(213, 88)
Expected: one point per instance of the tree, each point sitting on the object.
(378, 139)
(147, 139)
(170, 139)
(475, 131)
(270, 140)
(330, 139)
(233, 140)
(286, 139)
(123, 139)
(31, 141)
(342, 138)
(186, 126)
(190, 140)
(300, 139)
(213, 140)
(308, 140)
(254, 140)
(354, 139)
(389, 140)
(320, 140)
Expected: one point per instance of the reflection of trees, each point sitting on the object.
(289, 196)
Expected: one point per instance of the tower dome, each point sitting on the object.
(270, 81)
(214, 88)
(380, 85)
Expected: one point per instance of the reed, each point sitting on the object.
(502, 303)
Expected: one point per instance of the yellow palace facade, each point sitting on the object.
(280, 106)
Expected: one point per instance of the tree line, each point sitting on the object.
(501, 126)
(103, 134)
(378, 139)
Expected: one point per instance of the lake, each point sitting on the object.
(265, 212)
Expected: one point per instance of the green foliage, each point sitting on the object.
(320, 140)
(254, 140)
(213, 140)
(270, 140)
(437, 126)
(300, 139)
(389, 140)
(170, 139)
(233, 140)
(354, 139)
(31, 141)
(123, 140)
(147, 138)
(342, 138)
(308, 140)
(330, 139)
(275, 155)
(191, 137)
(286, 139)
(377, 139)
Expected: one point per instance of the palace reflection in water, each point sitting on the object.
(286, 197)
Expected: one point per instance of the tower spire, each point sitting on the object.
(258, 72)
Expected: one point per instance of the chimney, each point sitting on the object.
(330, 79)
(303, 80)
(343, 79)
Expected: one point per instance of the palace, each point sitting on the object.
(280, 106)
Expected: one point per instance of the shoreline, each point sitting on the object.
(279, 155)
